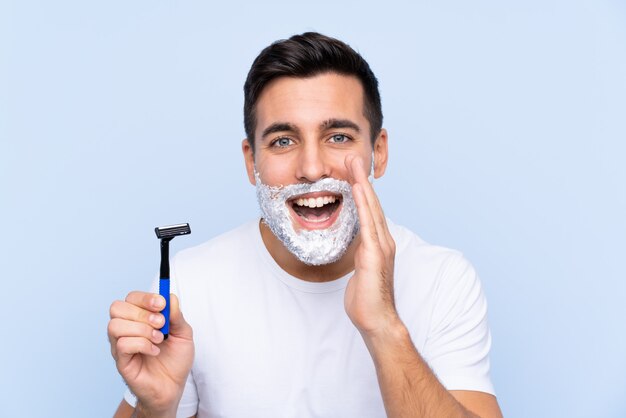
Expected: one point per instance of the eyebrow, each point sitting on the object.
(280, 127)
(326, 125)
(340, 124)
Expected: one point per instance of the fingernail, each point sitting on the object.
(155, 319)
(155, 350)
(157, 302)
(156, 334)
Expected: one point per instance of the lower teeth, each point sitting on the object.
(315, 220)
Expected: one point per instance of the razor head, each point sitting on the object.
(171, 231)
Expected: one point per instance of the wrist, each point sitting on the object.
(143, 411)
(392, 334)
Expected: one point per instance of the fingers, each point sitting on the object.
(371, 208)
(355, 172)
(369, 233)
(133, 320)
(358, 175)
(356, 169)
(128, 311)
(127, 347)
(119, 328)
(148, 301)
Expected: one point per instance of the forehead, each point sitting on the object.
(311, 100)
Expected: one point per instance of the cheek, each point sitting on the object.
(340, 170)
(275, 171)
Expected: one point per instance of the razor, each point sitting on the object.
(166, 234)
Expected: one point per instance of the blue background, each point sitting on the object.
(507, 125)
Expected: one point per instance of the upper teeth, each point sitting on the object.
(318, 202)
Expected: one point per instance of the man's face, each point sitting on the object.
(306, 127)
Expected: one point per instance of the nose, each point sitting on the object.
(312, 165)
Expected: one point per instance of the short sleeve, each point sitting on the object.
(458, 343)
(130, 398)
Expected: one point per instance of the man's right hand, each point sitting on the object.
(154, 369)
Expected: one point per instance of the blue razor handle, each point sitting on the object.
(166, 234)
(164, 290)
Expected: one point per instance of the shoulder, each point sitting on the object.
(412, 249)
(226, 255)
(430, 272)
(233, 242)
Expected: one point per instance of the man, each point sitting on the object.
(324, 307)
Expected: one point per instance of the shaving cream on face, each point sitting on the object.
(312, 247)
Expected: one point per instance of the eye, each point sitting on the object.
(339, 139)
(282, 142)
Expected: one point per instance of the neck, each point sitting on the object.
(292, 265)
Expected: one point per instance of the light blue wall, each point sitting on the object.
(507, 123)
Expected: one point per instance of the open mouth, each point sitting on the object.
(316, 210)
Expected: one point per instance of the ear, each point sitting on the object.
(248, 157)
(381, 153)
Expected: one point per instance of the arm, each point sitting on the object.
(408, 387)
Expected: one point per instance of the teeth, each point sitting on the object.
(316, 202)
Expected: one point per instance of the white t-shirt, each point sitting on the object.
(268, 344)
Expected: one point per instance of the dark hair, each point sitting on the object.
(308, 55)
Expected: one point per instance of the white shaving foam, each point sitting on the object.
(312, 247)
